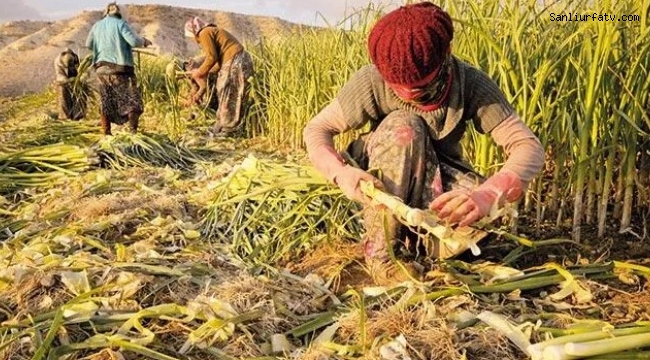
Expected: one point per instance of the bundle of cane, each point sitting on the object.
(151, 51)
(178, 68)
(183, 74)
(175, 70)
(446, 241)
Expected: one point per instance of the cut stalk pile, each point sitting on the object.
(53, 132)
(40, 166)
(143, 150)
(267, 211)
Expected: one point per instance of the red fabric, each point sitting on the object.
(410, 42)
(408, 94)
(411, 91)
(436, 105)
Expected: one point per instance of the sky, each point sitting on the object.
(300, 11)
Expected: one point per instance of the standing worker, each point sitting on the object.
(72, 103)
(418, 98)
(227, 68)
(112, 41)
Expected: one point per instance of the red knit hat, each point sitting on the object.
(411, 42)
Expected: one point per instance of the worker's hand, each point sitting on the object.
(196, 75)
(192, 100)
(348, 180)
(188, 64)
(465, 207)
(189, 102)
(147, 42)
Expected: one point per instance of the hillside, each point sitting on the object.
(27, 48)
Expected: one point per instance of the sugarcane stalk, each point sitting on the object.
(592, 185)
(321, 321)
(501, 324)
(623, 355)
(145, 51)
(182, 74)
(435, 295)
(599, 57)
(601, 347)
(538, 350)
(618, 196)
(629, 171)
(607, 181)
(540, 207)
(528, 283)
(411, 216)
(427, 220)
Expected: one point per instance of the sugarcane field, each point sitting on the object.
(160, 209)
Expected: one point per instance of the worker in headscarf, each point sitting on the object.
(419, 100)
(72, 101)
(227, 67)
(112, 41)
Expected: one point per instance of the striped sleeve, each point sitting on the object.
(358, 99)
(486, 104)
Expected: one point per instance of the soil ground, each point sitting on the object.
(430, 327)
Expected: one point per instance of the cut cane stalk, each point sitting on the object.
(606, 346)
(538, 350)
(581, 350)
(501, 324)
(453, 241)
(408, 215)
(145, 51)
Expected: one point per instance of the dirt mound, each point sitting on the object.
(27, 48)
(14, 30)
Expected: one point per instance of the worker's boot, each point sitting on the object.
(134, 119)
(380, 225)
(106, 125)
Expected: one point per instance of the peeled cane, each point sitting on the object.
(451, 242)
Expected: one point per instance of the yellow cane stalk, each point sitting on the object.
(418, 218)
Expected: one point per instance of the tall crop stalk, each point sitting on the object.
(581, 86)
(300, 74)
(597, 58)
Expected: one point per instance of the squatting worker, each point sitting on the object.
(71, 105)
(111, 40)
(418, 99)
(227, 68)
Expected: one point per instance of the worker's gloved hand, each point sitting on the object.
(147, 42)
(348, 179)
(465, 207)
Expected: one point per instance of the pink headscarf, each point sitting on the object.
(194, 25)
